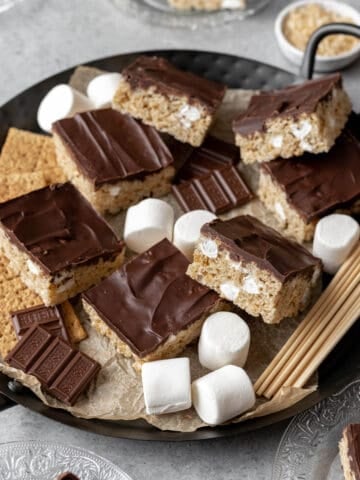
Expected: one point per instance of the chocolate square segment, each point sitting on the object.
(288, 102)
(50, 318)
(146, 72)
(58, 228)
(315, 185)
(151, 298)
(108, 147)
(247, 239)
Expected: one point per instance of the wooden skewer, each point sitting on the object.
(337, 335)
(339, 284)
(320, 331)
(306, 355)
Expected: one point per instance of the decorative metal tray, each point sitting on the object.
(339, 369)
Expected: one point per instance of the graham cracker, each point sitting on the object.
(14, 295)
(16, 184)
(72, 323)
(25, 152)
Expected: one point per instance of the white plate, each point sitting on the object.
(322, 63)
(159, 12)
(309, 447)
(44, 461)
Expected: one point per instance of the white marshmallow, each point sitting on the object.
(60, 102)
(166, 385)
(233, 4)
(188, 115)
(223, 394)
(224, 340)
(148, 222)
(102, 88)
(187, 230)
(335, 237)
(209, 248)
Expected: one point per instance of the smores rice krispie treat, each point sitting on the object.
(114, 160)
(299, 191)
(150, 309)
(176, 102)
(57, 242)
(349, 449)
(207, 5)
(254, 267)
(286, 123)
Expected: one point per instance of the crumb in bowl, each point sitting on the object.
(302, 22)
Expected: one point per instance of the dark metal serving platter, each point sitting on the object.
(342, 365)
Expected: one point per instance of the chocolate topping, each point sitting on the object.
(352, 435)
(247, 238)
(288, 102)
(49, 318)
(317, 184)
(150, 298)
(219, 191)
(58, 228)
(108, 146)
(63, 371)
(146, 72)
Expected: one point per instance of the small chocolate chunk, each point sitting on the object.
(52, 362)
(219, 191)
(50, 318)
(74, 379)
(29, 349)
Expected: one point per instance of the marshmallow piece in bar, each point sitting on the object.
(335, 237)
(166, 385)
(222, 394)
(187, 230)
(60, 102)
(102, 88)
(148, 222)
(224, 340)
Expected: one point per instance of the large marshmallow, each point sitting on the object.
(187, 230)
(148, 222)
(223, 394)
(60, 102)
(101, 89)
(335, 237)
(166, 385)
(224, 340)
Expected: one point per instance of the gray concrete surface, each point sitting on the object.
(41, 37)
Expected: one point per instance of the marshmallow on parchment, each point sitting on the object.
(222, 394)
(60, 102)
(148, 222)
(224, 340)
(335, 237)
(187, 230)
(166, 385)
(102, 88)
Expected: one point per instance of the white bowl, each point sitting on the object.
(322, 63)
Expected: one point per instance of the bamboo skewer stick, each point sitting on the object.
(339, 284)
(306, 355)
(320, 330)
(352, 316)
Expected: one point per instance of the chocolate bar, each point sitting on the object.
(214, 154)
(219, 191)
(63, 371)
(49, 318)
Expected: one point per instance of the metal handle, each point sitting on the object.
(307, 67)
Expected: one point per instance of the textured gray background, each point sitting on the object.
(41, 37)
